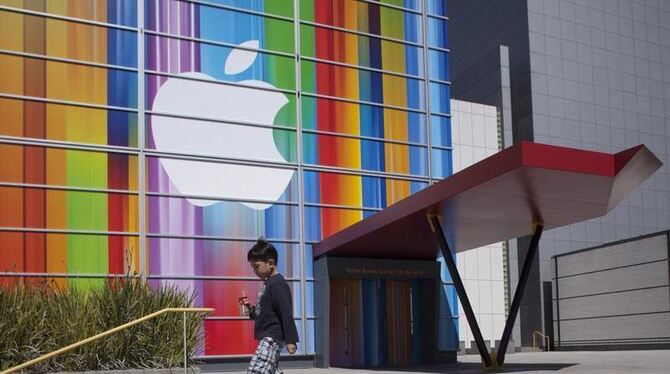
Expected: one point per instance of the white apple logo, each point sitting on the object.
(213, 100)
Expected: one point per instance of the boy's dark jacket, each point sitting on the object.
(273, 313)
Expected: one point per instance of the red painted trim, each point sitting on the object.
(567, 159)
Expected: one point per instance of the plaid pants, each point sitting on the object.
(266, 358)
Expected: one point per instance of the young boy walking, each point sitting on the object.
(273, 312)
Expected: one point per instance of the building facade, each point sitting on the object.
(162, 137)
(589, 74)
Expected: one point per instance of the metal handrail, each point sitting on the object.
(545, 338)
(112, 331)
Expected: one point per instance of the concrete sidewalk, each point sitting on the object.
(657, 361)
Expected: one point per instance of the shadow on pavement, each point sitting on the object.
(472, 367)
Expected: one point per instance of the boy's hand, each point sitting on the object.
(245, 307)
(291, 348)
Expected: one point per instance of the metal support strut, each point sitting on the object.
(498, 359)
(520, 287)
(460, 290)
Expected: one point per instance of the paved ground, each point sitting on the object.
(538, 362)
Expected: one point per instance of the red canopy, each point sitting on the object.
(498, 198)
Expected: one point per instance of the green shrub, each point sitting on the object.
(39, 318)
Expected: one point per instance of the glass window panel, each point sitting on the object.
(307, 10)
(414, 187)
(440, 98)
(215, 62)
(229, 337)
(323, 222)
(70, 82)
(121, 45)
(35, 252)
(409, 4)
(309, 261)
(371, 52)
(120, 12)
(364, 85)
(366, 17)
(437, 7)
(67, 167)
(222, 218)
(437, 33)
(448, 334)
(206, 181)
(301, 337)
(441, 131)
(448, 319)
(442, 163)
(372, 121)
(12, 212)
(448, 302)
(235, 337)
(309, 337)
(220, 139)
(366, 191)
(309, 295)
(215, 258)
(219, 101)
(438, 64)
(445, 276)
(220, 25)
(373, 155)
(41, 208)
(12, 29)
(276, 7)
(68, 123)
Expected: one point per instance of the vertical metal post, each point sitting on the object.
(346, 321)
(426, 89)
(460, 289)
(558, 306)
(520, 287)
(668, 244)
(301, 197)
(185, 356)
(141, 142)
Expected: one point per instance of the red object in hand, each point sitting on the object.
(243, 304)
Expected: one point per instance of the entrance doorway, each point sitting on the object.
(373, 313)
(372, 322)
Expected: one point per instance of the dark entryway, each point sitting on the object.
(379, 312)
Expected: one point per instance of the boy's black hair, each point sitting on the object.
(262, 251)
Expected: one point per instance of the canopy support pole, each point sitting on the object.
(460, 289)
(520, 287)
(493, 359)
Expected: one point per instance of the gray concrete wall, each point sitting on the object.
(614, 294)
(600, 80)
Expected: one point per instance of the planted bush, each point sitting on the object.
(36, 319)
